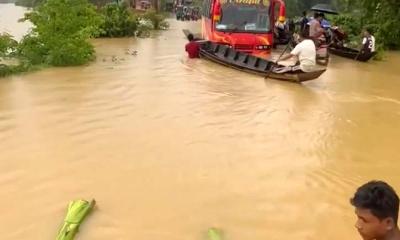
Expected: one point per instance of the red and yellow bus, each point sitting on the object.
(246, 25)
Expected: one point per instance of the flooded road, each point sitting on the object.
(9, 16)
(169, 146)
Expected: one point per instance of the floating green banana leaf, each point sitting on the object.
(214, 234)
(77, 211)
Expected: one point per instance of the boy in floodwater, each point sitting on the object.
(192, 48)
(377, 207)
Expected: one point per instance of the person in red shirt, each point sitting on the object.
(192, 48)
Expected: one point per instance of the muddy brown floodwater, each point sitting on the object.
(170, 146)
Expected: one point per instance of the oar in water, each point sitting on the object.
(276, 62)
(214, 234)
(358, 54)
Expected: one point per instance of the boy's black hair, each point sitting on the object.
(379, 198)
(190, 37)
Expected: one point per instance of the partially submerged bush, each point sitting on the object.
(144, 27)
(7, 45)
(157, 19)
(9, 64)
(32, 49)
(60, 33)
(6, 70)
(118, 21)
(62, 28)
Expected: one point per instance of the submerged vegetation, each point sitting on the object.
(59, 37)
(8, 48)
(62, 38)
(120, 21)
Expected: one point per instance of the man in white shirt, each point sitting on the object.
(368, 43)
(306, 56)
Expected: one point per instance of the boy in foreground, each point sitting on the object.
(377, 208)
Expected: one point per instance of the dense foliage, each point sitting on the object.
(60, 37)
(118, 21)
(7, 45)
(157, 19)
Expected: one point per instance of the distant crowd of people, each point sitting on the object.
(187, 13)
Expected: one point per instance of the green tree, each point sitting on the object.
(118, 21)
(60, 33)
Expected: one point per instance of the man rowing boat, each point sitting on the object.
(306, 55)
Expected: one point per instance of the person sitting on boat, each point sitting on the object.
(306, 54)
(281, 32)
(280, 27)
(368, 42)
(325, 24)
(317, 33)
(193, 47)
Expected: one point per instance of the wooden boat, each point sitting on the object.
(227, 56)
(351, 53)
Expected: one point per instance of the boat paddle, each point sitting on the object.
(358, 54)
(276, 62)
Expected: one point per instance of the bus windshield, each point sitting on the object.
(240, 17)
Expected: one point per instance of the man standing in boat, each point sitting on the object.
(317, 33)
(306, 56)
(303, 23)
(368, 42)
(377, 208)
